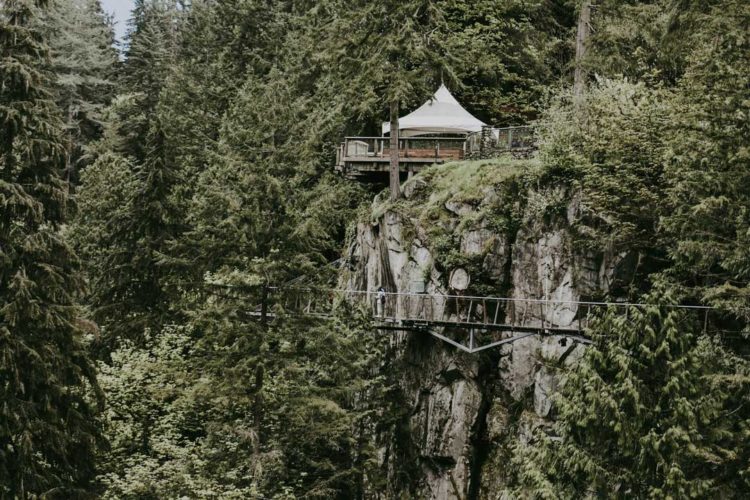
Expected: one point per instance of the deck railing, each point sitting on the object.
(489, 142)
(501, 139)
(365, 148)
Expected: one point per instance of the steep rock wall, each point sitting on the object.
(515, 239)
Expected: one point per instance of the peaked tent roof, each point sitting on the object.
(441, 114)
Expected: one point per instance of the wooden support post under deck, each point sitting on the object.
(395, 182)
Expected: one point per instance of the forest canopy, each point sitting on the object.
(151, 188)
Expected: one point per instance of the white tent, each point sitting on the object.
(442, 114)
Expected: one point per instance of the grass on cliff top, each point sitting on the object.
(465, 180)
(459, 181)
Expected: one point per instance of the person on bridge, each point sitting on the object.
(380, 301)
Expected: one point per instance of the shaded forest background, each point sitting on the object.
(145, 197)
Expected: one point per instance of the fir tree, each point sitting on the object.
(83, 60)
(151, 45)
(507, 54)
(387, 54)
(643, 416)
(47, 432)
(125, 248)
(708, 164)
(124, 233)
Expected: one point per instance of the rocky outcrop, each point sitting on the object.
(468, 409)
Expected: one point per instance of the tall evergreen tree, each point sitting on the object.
(634, 39)
(508, 54)
(84, 61)
(151, 45)
(125, 248)
(386, 54)
(708, 163)
(651, 412)
(47, 432)
(123, 232)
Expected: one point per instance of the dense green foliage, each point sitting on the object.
(709, 162)
(651, 412)
(201, 162)
(83, 63)
(656, 410)
(47, 430)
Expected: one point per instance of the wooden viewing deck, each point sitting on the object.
(359, 157)
(368, 158)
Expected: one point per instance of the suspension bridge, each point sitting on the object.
(469, 323)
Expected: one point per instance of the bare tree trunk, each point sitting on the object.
(395, 181)
(584, 28)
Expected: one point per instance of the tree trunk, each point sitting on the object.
(264, 305)
(395, 181)
(584, 28)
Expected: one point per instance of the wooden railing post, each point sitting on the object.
(394, 169)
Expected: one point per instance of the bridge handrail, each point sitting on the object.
(493, 298)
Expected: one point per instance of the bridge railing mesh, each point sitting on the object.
(494, 312)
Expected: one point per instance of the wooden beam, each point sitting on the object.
(395, 182)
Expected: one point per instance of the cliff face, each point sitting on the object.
(515, 238)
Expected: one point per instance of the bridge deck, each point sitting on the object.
(461, 321)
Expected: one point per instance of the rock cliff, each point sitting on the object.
(514, 235)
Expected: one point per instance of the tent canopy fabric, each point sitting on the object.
(441, 114)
